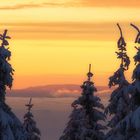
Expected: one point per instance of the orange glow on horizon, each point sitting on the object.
(64, 62)
(54, 41)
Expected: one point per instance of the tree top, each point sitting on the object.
(29, 105)
(89, 74)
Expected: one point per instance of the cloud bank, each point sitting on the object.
(54, 91)
(73, 3)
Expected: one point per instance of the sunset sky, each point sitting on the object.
(53, 41)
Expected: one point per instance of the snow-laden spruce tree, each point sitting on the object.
(10, 126)
(135, 86)
(30, 125)
(129, 127)
(119, 100)
(83, 124)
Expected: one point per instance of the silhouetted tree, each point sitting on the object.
(135, 86)
(83, 124)
(119, 100)
(10, 126)
(30, 124)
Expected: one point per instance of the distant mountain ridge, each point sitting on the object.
(52, 91)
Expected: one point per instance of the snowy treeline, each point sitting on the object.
(123, 104)
(88, 115)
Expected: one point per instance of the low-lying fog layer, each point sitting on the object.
(51, 114)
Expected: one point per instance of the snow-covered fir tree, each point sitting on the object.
(30, 124)
(119, 100)
(129, 127)
(135, 86)
(83, 124)
(10, 126)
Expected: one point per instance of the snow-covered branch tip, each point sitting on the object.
(137, 39)
(121, 54)
(120, 29)
(4, 38)
(121, 41)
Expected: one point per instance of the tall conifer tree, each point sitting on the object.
(83, 124)
(119, 100)
(129, 127)
(135, 86)
(10, 126)
(30, 124)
